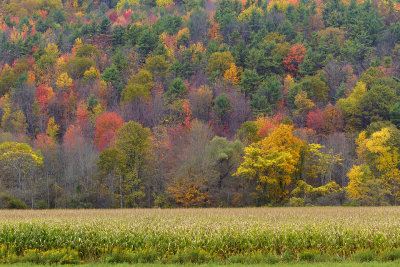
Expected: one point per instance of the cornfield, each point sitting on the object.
(220, 233)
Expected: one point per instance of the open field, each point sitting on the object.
(303, 264)
(250, 235)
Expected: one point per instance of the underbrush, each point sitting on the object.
(194, 256)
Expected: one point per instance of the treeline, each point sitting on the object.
(194, 103)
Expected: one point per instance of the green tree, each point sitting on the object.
(225, 157)
(157, 66)
(133, 141)
(77, 66)
(248, 133)
(177, 89)
(110, 164)
(316, 88)
(222, 107)
(249, 82)
(138, 86)
(112, 75)
(266, 96)
(376, 104)
(147, 41)
(219, 62)
(395, 114)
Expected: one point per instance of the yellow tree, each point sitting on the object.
(302, 103)
(52, 129)
(272, 162)
(231, 74)
(219, 62)
(365, 187)
(386, 160)
(381, 158)
(19, 164)
(350, 107)
(64, 81)
(320, 163)
(356, 177)
(13, 119)
(163, 3)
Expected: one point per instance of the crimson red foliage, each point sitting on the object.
(127, 14)
(294, 58)
(113, 16)
(43, 95)
(315, 120)
(106, 125)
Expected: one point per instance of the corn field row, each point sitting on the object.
(218, 232)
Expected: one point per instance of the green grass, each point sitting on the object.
(302, 264)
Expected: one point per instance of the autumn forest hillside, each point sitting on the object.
(199, 103)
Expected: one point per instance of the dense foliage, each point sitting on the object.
(199, 103)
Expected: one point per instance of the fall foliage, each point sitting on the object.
(175, 103)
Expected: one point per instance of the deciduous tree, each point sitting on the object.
(106, 126)
(272, 162)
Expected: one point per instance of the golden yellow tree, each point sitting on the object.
(386, 160)
(231, 75)
(302, 102)
(52, 129)
(380, 159)
(272, 162)
(356, 178)
(64, 81)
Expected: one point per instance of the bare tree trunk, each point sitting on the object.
(120, 189)
(48, 190)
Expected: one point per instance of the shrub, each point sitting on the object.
(191, 256)
(271, 259)
(287, 256)
(145, 256)
(390, 255)
(364, 255)
(32, 256)
(309, 255)
(296, 202)
(237, 259)
(61, 256)
(119, 257)
(16, 204)
(41, 205)
(253, 259)
(127, 256)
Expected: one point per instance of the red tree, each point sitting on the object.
(73, 139)
(113, 16)
(106, 125)
(82, 118)
(188, 113)
(315, 120)
(127, 14)
(43, 95)
(44, 143)
(294, 58)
